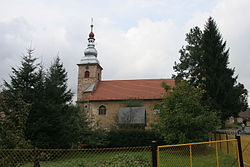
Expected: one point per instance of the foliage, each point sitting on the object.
(99, 138)
(56, 123)
(204, 64)
(37, 105)
(184, 117)
(77, 125)
(24, 80)
(56, 84)
(23, 90)
(131, 137)
(165, 86)
(16, 102)
(12, 124)
(96, 138)
(189, 65)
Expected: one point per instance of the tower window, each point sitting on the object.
(102, 110)
(86, 75)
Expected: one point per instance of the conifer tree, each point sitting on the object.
(189, 67)
(23, 79)
(58, 98)
(204, 63)
(60, 124)
(56, 84)
(37, 108)
(17, 100)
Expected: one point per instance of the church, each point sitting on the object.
(112, 103)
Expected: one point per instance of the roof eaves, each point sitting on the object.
(120, 99)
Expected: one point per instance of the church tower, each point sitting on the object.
(89, 69)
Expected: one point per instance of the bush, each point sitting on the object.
(97, 138)
(131, 137)
(184, 117)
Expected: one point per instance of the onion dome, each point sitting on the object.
(90, 51)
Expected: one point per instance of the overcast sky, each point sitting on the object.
(135, 39)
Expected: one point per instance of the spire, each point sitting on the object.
(90, 53)
(91, 34)
(91, 24)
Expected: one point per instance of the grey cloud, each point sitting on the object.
(148, 53)
(12, 37)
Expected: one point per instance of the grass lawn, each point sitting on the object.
(204, 160)
(133, 159)
(97, 159)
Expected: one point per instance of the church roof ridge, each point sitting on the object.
(149, 79)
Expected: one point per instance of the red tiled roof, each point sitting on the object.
(129, 89)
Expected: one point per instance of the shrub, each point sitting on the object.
(131, 137)
(96, 138)
(184, 117)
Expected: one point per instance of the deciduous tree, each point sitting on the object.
(184, 117)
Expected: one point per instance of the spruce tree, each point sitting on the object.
(37, 108)
(24, 79)
(56, 84)
(58, 98)
(204, 63)
(17, 100)
(59, 124)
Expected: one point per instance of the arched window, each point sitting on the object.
(86, 75)
(102, 110)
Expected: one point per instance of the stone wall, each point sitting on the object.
(84, 83)
(110, 119)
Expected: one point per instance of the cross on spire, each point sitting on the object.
(91, 24)
(91, 34)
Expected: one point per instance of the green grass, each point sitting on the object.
(168, 158)
(203, 160)
(94, 159)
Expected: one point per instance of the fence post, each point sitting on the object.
(217, 155)
(240, 151)
(191, 156)
(36, 158)
(154, 154)
(220, 142)
(227, 143)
